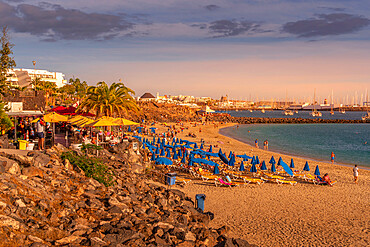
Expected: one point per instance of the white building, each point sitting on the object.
(24, 77)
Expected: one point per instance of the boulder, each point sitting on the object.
(69, 240)
(32, 172)
(189, 236)
(14, 169)
(35, 239)
(97, 242)
(9, 222)
(133, 157)
(138, 168)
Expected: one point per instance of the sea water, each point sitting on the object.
(349, 142)
(349, 115)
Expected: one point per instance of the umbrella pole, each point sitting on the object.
(97, 144)
(15, 128)
(66, 138)
(53, 134)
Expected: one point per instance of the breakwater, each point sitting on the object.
(253, 120)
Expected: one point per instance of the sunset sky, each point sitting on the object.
(259, 49)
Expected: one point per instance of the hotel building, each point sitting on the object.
(24, 77)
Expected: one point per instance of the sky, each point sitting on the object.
(246, 49)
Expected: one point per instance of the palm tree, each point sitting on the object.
(50, 89)
(114, 100)
(80, 89)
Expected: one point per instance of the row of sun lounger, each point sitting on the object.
(260, 177)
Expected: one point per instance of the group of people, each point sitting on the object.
(265, 144)
(355, 169)
(27, 130)
(329, 182)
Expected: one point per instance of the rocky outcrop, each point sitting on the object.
(156, 112)
(45, 201)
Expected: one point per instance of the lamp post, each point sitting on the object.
(34, 68)
(34, 71)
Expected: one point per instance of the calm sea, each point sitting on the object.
(349, 142)
(350, 115)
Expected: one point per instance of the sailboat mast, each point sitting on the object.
(314, 99)
(367, 102)
(286, 95)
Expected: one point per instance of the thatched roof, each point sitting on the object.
(147, 96)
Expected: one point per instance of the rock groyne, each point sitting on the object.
(250, 120)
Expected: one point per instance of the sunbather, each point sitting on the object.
(327, 179)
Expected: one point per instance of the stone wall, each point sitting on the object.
(32, 100)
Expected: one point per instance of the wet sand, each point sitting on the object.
(285, 215)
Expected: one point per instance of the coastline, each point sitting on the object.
(284, 215)
(292, 154)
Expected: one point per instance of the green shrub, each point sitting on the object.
(93, 168)
(90, 148)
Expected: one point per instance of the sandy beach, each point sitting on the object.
(285, 215)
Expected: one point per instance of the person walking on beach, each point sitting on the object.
(256, 143)
(355, 173)
(267, 145)
(332, 157)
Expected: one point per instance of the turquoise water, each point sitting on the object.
(349, 142)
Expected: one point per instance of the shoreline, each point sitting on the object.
(292, 154)
(284, 215)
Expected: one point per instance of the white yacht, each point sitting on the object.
(366, 117)
(316, 113)
(288, 113)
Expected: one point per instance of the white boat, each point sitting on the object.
(263, 111)
(250, 110)
(288, 113)
(331, 112)
(343, 111)
(296, 112)
(316, 114)
(366, 117)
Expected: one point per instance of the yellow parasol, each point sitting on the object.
(103, 121)
(54, 117)
(122, 121)
(84, 122)
(79, 120)
(35, 120)
(76, 118)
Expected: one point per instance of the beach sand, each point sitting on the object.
(285, 215)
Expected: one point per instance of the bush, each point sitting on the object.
(90, 148)
(93, 168)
